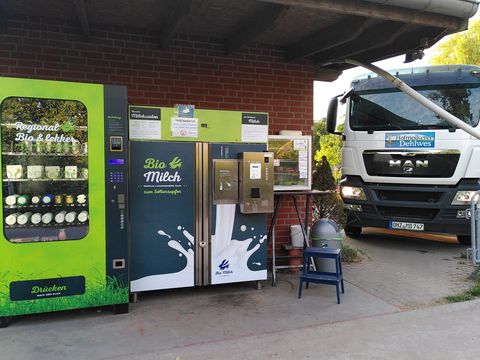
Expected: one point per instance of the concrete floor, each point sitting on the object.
(239, 322)
(410, 270)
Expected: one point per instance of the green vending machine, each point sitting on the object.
(64, 240)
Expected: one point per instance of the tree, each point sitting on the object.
(322, 178)
(460, 48)
(325, 144)
(327, 206)
(328, 146)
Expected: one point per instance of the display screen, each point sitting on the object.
(44, 169)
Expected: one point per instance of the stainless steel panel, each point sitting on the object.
(198, 215)
(256, 182)
(225, 181)
(206, 214)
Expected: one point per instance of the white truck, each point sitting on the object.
(403, 166)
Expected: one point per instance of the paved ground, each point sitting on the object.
(238, 322)
(407, 269)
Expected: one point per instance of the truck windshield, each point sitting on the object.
(394, 110)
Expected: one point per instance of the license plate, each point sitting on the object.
(400, 225)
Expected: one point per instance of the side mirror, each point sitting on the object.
(332, 116)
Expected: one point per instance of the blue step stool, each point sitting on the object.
(330, 278)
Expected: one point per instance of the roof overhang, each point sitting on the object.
(321, 31)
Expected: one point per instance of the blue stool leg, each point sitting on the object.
(341, 273)
(300, 289)
(338, 294)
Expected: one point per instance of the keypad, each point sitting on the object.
(117, 177)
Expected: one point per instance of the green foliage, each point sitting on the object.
(460, 48)
(318, 130)
(328, 206)
(322, 178)
(331, 148)
(328, 145)
(350, 254)
(459, 298)
(470, 294)
(325, 144)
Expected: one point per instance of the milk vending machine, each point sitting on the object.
(201, 185)
(63, 243)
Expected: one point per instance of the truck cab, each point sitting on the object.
(403, 167)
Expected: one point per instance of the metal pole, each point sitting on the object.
(473, 221)
(399, 84)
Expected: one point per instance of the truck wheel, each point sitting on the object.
(464, 239)
(353, 230)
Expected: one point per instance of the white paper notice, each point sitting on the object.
(303, 164)
(276, 162)
(254, 133)
(255, 171)
(300, 144)
(184, 127)
(145, 129)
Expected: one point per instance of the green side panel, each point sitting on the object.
(72, 259)
(213, 126)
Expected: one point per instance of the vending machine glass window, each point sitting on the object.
(292, 162)
(45, 169)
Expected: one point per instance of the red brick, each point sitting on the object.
(193, 70)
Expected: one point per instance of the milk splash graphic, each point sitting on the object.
(232, 254)
(229, 256)
(182, 278)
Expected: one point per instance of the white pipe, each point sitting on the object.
(399, 84)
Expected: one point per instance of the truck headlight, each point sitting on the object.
(463, 197)
(353, 192)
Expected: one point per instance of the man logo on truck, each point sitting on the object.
(408, 166)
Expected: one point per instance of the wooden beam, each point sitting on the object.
(181, 11)
(81, 10)
(401, 45)
(320, 41)
(375, 37)
(258, 24)
(3, 21)
(376, 11)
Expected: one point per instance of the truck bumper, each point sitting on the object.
(429, 205)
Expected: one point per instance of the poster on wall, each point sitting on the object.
(144, 123)
(184, 127)
(254, 127)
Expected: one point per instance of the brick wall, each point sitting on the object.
(193, 70)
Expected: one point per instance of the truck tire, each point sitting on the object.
(464, 239)
(353, 230)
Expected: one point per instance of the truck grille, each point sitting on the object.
(411, 163)
(392, 195)
(408, 213)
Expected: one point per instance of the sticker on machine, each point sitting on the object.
(145, 123)
(397, 140)
(47, 288)
(255, 171)
(254, 127)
